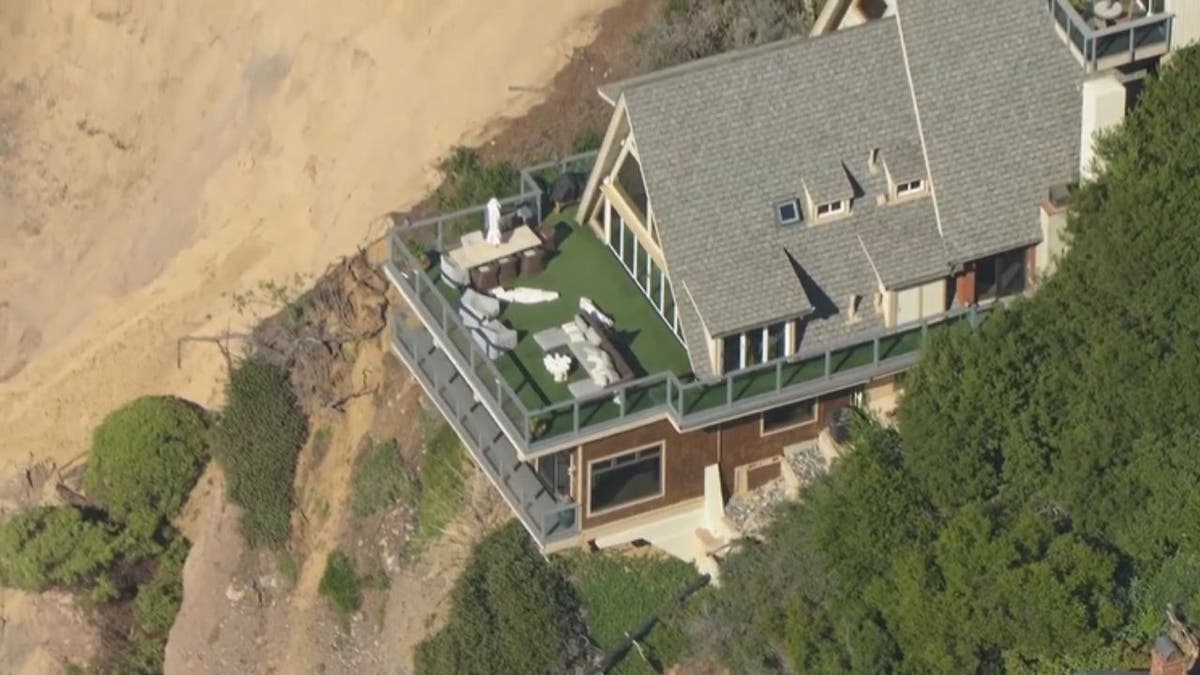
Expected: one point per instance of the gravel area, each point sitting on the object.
(752, 511)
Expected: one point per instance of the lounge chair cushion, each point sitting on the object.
(482, 306)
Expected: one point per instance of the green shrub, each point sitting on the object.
(381, 480)
(256, 438)
(619, 592)
(341, 584)
(694, 29)
(54, 546)
(588, 139)
(510, 612)
(145, 458)
(442, 481)
(467, 180)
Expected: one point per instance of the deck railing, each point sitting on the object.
(1124, 42)
(690, 404)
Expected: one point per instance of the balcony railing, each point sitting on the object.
(689, 405)
(1126, 41)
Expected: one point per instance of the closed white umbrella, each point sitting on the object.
(492, 227)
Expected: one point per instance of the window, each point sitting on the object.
(629, 177)
(911, 187)
(788, 416)
(556, 472)
(625, 479)
(755, 349)
(831, 208)
(775, 341)
(788, 212)
(1000, 275)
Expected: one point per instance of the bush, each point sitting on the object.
(510, 612)
(55, 547)
(381, 480)
(694, 29)
(468, 181)
(442, 481)
(256, 438)
(145, 459)
(620, 592)
(341, 584)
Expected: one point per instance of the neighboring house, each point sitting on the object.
(797, 217)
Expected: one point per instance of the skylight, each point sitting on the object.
(787, 212)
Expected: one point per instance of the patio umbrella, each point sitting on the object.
(492, 222)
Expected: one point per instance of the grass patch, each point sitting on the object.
(620, 592)
(443, 481)
(288, 568)
(320, 443)
(381, 481)
(341, 584)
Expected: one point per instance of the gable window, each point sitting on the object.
(789, 416)
(831, 208)
(910, 188)
(787, 212)
(625, 479)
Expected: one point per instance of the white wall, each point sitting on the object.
(1187, 22)
(1103, 109)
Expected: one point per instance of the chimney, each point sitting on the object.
(1103, 109)
(1166, 659)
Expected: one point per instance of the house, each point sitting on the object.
(773, 233)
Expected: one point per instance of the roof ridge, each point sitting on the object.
(612, 90)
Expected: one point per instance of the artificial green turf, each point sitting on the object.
(582, 267)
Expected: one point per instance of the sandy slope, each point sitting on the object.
(156, 157)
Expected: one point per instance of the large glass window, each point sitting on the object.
(656, 285)
(788, 416)
(631, 477)
(629, 248)
(555, 471)
(614, 229)
(731, 353)
(629, 177)
(775, 344)
(754, 347)
(1000, 275)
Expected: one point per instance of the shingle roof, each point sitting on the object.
(999, 99)
(720, 146)
(904, 160)
(722, 140)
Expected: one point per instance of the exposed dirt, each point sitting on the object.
(247, 611)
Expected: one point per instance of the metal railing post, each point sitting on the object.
(875, 352)
(728, 390)
(828, 360)
(778, 375)
(575, 414)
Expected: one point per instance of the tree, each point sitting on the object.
(145, 458)
(55, 547)
(510, 612)
(1036, 510)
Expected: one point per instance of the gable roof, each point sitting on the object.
(999, 101)
(722, 140)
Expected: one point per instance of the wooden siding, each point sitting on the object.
(731, 444)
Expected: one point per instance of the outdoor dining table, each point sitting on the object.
(515, 241)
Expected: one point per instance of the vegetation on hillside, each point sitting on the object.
(694, 29)
(120, 555)
(510, 612)
(340, 584)
(145, 457)
(381, 480)
(1035, 511)
(257, 437)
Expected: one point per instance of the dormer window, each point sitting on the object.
(787, 212)
(830, 209)
(910, 188)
